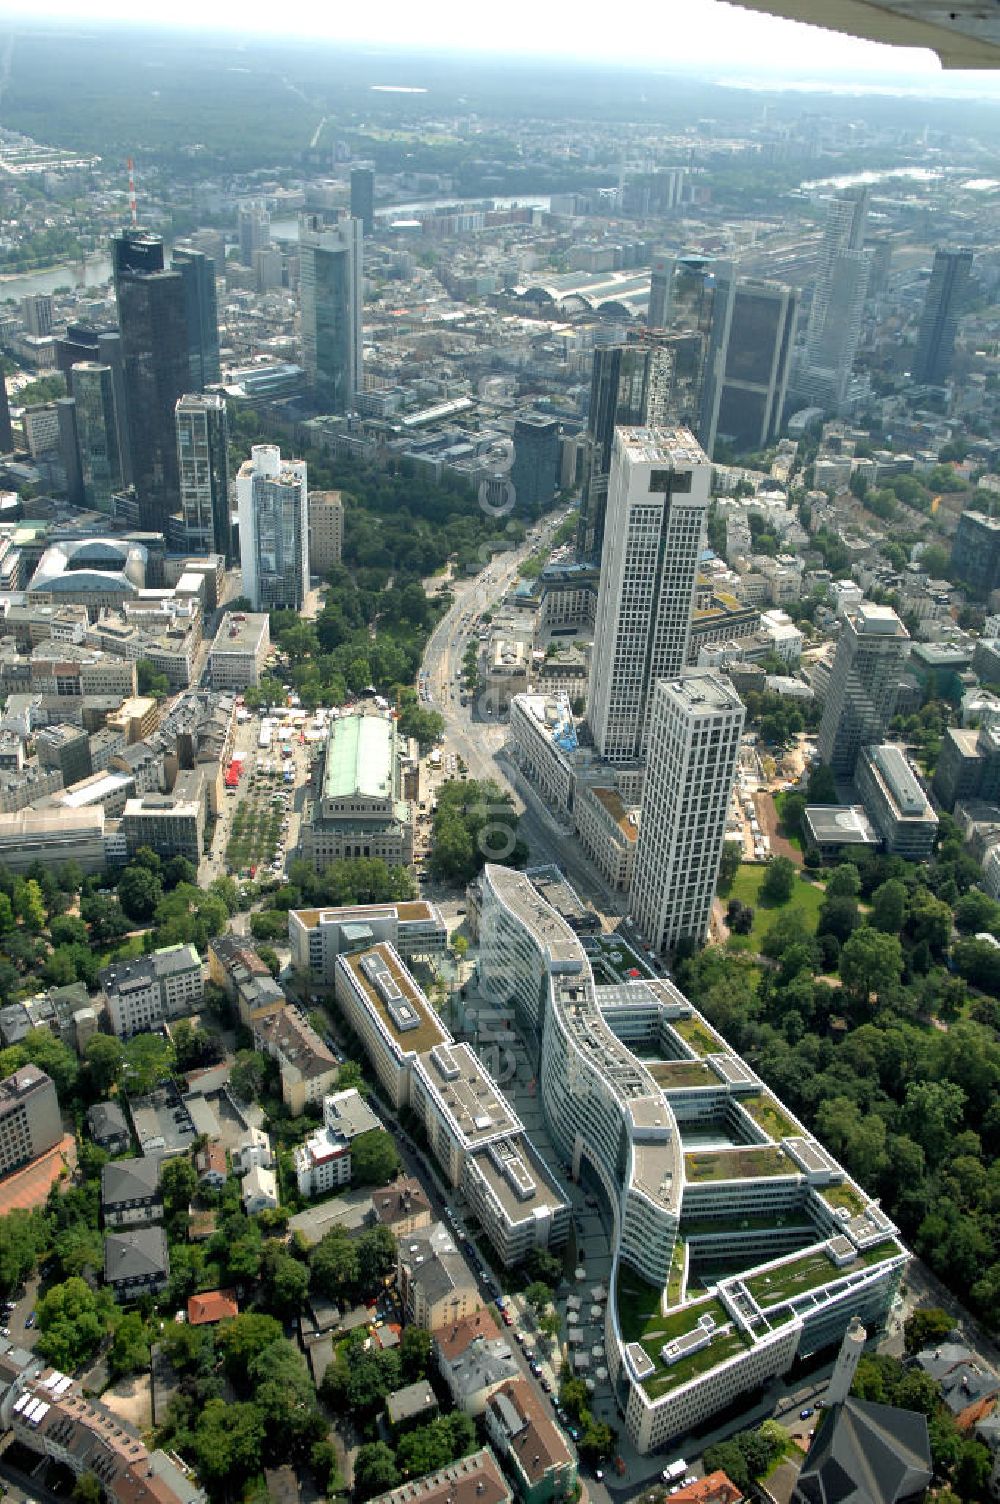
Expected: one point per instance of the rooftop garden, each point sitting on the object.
(795, 1277)
(758, 1161)
(678, 1073)
(767, 1113)
(844, 1195)
(882, 1251)
(725, 1345)
(675, 1279)
(642, 1320)
(698, 1035)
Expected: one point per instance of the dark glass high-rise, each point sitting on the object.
(152, 318)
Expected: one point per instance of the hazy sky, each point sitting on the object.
(706, 32)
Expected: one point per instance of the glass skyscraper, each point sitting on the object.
(947, 297)
(203, 463)
(330, 275)
(93, 388)
(202, 309)
(152, 318)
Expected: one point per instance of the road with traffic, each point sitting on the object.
(474, 731)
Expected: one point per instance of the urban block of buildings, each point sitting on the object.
(815, 1250)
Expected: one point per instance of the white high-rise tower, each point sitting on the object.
(653, 536)
(694, 744)
(274, 529)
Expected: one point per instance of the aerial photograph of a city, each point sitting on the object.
(500, 753)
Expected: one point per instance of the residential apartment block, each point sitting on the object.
(30, 1123)
(308, 1069)
(141, 993)
(323, 1161)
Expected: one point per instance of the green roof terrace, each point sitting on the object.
(756, 1162)
(768, 1114)
(698, 1036)
(674, 1074)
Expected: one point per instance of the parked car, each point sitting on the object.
(805, 1414)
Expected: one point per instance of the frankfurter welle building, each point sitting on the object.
(811, 1249)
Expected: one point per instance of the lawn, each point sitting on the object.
(792, 838)
(806, 899)
(795, 1278)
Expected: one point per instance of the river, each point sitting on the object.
(96, 273)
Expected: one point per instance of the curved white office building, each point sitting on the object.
(810, 1247)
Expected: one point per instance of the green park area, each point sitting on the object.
(806, 899)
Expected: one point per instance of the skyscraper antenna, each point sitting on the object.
(131, 193)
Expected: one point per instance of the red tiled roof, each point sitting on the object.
(214, 1305)
(454, 1338)
(714, 1488)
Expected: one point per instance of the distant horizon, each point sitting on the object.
(740, 41)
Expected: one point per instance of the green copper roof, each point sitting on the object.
(359, 758)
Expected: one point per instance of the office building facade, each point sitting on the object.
(947, 298)
(535, 471)
(272, 501)
(152, 318)
(326, 530)
(975, 551)
(203, 464)
(619, 1131)
(618, 398)
(747, 363)
(864, 684)
(662, 270)
(657, 504)
(330, 288)
(363, 197)
(202, 315)
(838, 302)
(694, 742)
(254, 231)
(97, 433)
